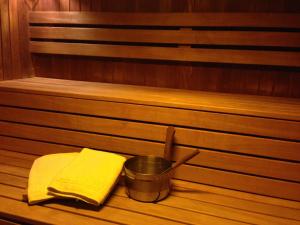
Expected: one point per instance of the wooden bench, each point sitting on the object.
(248, 168)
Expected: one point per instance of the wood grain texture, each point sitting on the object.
(25, 56)
(6, 42)
(14, 46)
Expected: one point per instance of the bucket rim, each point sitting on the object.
(145, 174)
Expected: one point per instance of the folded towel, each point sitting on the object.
(43, 170)
(89, 177)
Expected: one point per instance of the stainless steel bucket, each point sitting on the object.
(144, 178)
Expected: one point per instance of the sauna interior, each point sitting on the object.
(116, 76)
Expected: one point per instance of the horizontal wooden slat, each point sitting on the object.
(248, 57)
(7, 160)
(17, 155)
(36, 148)
(169, 19)
(15, 181)
(245, 38)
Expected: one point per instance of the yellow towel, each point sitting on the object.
(89, 177)
(43, 170)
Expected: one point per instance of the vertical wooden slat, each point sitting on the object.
(64, 5)
(6, 44)
(1, 57)
(85, 5)
(294, 85)
(25, 57)
(96, 5)
(15, 38)
(74, 5)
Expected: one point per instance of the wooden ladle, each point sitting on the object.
(181, 161)
(168, 143)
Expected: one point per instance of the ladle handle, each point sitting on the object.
(185, 158)
(168, 144)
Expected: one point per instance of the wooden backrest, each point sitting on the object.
(236, 38)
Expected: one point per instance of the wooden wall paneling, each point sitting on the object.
(40, 64)
(280, 87)
(266, 83)
(15, 56)
(15, 38)
(25, 56)
(48, 5)
(74, 5)
(64, 5)
(250, 80)
(1, 56)
(294, 85)
(6, 44)
(85, 5)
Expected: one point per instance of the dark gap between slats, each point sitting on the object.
(174, 45)
(131, 27)
(105, 42)
(148, 27)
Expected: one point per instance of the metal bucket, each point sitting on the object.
(144, 179)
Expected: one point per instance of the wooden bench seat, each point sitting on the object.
(189, 203)
(242, 147)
